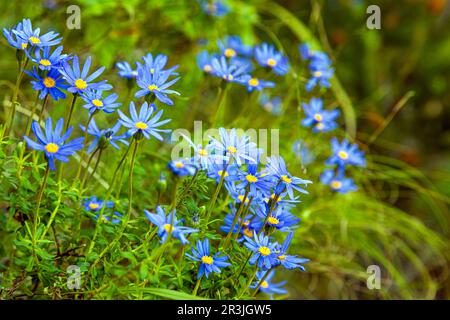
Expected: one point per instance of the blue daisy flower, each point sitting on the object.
(169, 224)
(277, 168)
(228, 71)
(272, 105)
(267, 286)
(94, 204)
(338, 182)
(240, 149)
(280, 218)
(321, 72)
(12, 38)
(125, 70)
(246, 229)
(114, 217)
(95, 101)
(345, 153)
(267, 56)
(208, 263)
(203, 155)
(322, 120)
(104, 137)
(34, 37)
(254, 180)
(157, 64)
(53, 142)
(263, 251)
(182, 167)
(47, 60)
(52, 84)
(80, 80)
(204, 61)
(155, 83)
(215, 171)
(253, 83)
(144, 122)
(289, 261)
(232, 46)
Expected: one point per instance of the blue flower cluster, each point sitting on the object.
(319, 67)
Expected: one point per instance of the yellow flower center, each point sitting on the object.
(241, 198)
(231, 149)
(264, 251)
(93, 206)
(80, 84)
(34, 40)
(272, 196)
(153, 87)
(45, 62)
(207, 68)
(97, 103)
(317, 74)
(229, 53)
(251, 178)
(282, 257)
(336, 184)
(286, 179)
(51, 147)
(207, 260)
(224, 174)
(273, 220)
(24, 46)
(168, 227)
(264, 284)
(229, 77)
(152, 70)
(203, 152)
(253, 82)
(343, 155)
(248, 232)
(49, 82)
(318, 117)
(271, 62)
(141, 125)
(179, 164)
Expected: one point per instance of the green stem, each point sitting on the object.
(86, 172)
(250, 280)
(216, 193)
(14, 97)
(261, 282)
(220, 100)
(235, 219)
(39, 199)
(83, 153)
(197, 285)
(72, 106)
(246, 210)
(41, 113)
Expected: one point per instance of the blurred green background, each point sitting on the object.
(400, 219)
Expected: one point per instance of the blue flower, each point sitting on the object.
(280, 218)
(267, 56)
(345, 153)
(79, 80)
(51, 84)
(289, 261)
(255, 83)
(94, 204)
(232, 46)
(53, 143)
(246, 229)
(215, 170)
(208, 263)
(47, 60)
(105, 136)
(12, 38)
(125, 70)
(155, 83)
(254, 180)
(240, 149)
(305, 51)
(95, 101)
(303, 153)
(272, 105)
(267, 286)
(338, 183)
(228, 71)
(204, 61)
(214, 8)
(203, 155)
(182, 167)
(321, 71)
(157, 64)
(263, 251)
(115, 217)
(144, 122)
(169, 224)
(277, 167)
(34, 37)
(322, 120)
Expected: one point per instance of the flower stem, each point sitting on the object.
(86, 172)
(41, 113)
(221, 97)
(235, 219)
(39, 199)
(72, 106)
(250, 280)
(247, 208)
(15, 95)
(197, 285)
(216, 193)
(83, 153)
(261, 282)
